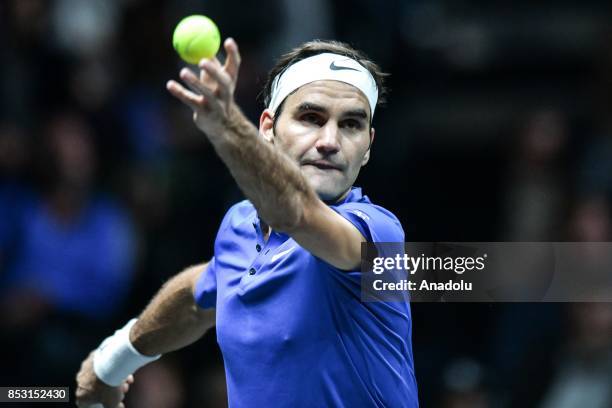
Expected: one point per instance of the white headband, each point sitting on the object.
(324, 67)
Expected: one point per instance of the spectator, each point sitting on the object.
(74, 246)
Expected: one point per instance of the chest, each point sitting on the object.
(273, 290)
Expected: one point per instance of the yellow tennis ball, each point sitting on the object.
(196, 37)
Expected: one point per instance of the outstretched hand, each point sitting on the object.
(92, 392)
(211, 94)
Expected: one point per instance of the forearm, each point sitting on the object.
(267, 177)
(172, 319)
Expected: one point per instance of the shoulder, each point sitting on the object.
(242, 208)
(375, 222)
(237, 215)
(240, 211)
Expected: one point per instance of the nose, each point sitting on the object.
(328, 141)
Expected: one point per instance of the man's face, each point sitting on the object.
(325, 127)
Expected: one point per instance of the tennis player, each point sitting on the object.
(283, 287)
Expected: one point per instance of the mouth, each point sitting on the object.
(322, 165)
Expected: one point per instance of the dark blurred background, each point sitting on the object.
(498, 128)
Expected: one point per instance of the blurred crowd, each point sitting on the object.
(498, 128)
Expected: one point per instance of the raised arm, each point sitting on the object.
(172, 320)
(268, 177)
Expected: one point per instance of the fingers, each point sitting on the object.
(232, 62)
(125, 387)
(82, 400)
(214, 87)
(207, 80)
(224, 81)
(195, 84)
(189, 98)
(83, 396)
(96, 401)
(103, 396)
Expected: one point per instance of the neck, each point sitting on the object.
(338, 199)
(265, 229)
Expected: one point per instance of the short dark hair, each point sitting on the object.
(315, 47)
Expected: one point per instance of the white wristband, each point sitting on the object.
(116, 358)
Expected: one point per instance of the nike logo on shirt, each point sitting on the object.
(335, 67)
(281, 254)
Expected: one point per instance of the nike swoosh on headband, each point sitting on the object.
(335, 67)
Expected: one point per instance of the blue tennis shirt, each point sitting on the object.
(292, 328)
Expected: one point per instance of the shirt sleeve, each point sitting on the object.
(205, 292)
(375, 223)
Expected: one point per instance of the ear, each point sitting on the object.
(366, 156)
(266, 125)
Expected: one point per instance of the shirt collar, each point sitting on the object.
(354, 195)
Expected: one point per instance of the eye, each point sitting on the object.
(352, 124)
(312, 118)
